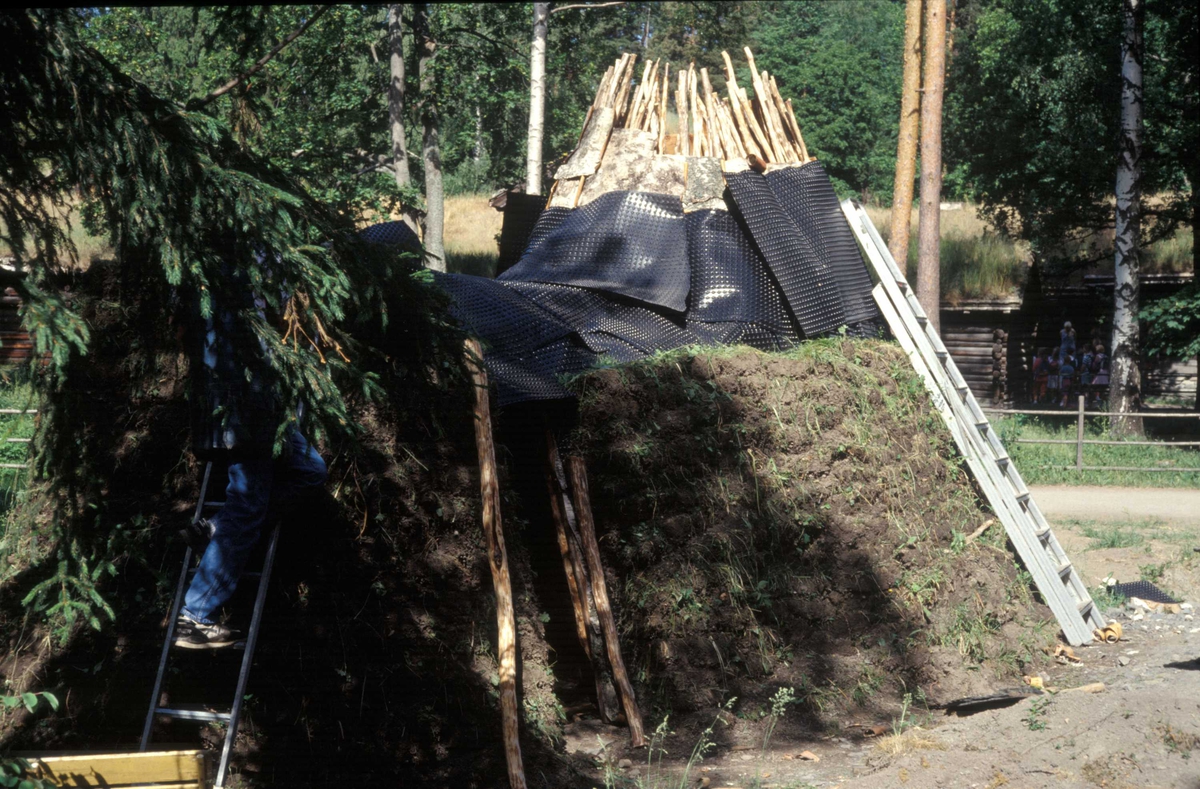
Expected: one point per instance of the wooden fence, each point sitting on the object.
(1079, 441)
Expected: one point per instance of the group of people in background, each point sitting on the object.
(1070, 370)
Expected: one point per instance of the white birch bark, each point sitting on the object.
(537, 99)
(1125, 384)
(431, 155)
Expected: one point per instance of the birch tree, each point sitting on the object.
(537, 99)
(929, 232)
(396, 102)
(1125, 386)
(431, 155)
(906, 149)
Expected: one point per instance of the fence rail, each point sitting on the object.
(1079, 441)
(16, 412)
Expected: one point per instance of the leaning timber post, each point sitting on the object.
(587, 621)
(587, 529)
(493, 532)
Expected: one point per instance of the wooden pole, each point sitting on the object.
(662, 108)
(587, 621)
(906, 147)
(681, 105)
(735, 104)
(799, 137)
(587, 529)
(929, 227)
(506, 621)
(760, 91)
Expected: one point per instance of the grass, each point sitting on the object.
(472, 235)
(976, 263)
(1038, 462)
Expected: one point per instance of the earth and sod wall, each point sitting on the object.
(767, 520)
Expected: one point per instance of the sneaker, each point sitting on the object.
(197, 535)
(190, 634)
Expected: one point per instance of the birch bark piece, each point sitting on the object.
(587, 156)
(705, 185)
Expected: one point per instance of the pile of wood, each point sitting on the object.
(763, 127)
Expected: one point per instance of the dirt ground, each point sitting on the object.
(1142, 730)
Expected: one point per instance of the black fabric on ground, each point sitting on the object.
(733, 298)
(808, 198)
(808, 285)
(630, 243)
(1143, 590)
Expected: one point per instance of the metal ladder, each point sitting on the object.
(230, 718)
(1057, 579)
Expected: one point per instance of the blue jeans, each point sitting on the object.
(253, 486)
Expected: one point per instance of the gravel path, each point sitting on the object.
(1176, 505)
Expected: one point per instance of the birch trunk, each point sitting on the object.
(906, 149)
(396, 97)
(431, 154)
(1124, 392)
(537, 99)
(929, 230)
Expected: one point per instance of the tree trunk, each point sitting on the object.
(906, 150)
(929, 230)
(1124, 394)
(431, 155)
(537, 99)
(396, 104)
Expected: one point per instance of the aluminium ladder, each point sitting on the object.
(230, 718)
(1057, 579)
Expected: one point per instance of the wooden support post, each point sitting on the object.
(577, 473)
(587, 621)
(1079, 435)
(506, 621)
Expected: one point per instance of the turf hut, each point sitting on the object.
(715, 229)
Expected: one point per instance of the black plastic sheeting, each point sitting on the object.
(630, 274)
(806, 280)
(808, 198)
(630, 243)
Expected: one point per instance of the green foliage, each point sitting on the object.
(1035, 719)
(840, 63)
(1173, 324)
(1031, 116)
(14, 771)
(183, 203)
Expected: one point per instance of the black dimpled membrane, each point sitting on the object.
(391, 234)
(630, 274)
(733, 299)
(808, 284)
(630, 243)
(622, 329)
(808, 198)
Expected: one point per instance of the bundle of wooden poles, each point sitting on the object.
(763, 127)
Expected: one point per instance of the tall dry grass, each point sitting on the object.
(976, 263)
(472, 235)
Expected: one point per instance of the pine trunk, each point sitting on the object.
(906, 149)
(431, 155)
(537, 99)
(1125, 387)
(929, 230)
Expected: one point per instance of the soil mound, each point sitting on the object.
(799, 520)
